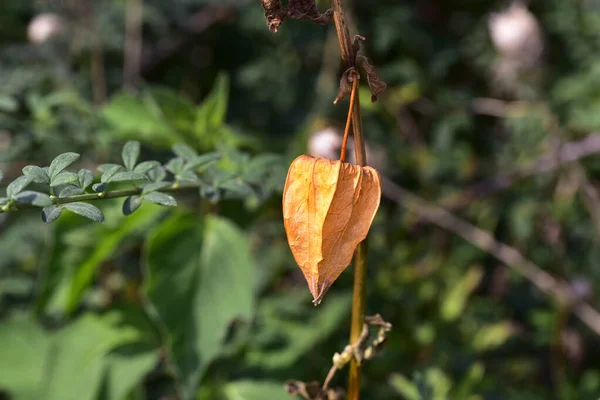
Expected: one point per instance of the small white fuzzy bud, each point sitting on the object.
(43, 27)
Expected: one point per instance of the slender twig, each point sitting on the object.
(510, 256)
(349, 119)
(360, 258)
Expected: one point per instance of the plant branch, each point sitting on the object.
(349, 119)
(566, 153)
(360, 258)
(99, 196)
(510, 256)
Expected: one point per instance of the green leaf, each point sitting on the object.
(60, 163)
(188, 177)
(131, 204)
(203, 161)
(69, 191)
(175, 165)
(210, 115)
(455, 300)
(184, 151)
(154, 186)
(160, 198)
(157, 174)
(201, 277)
(105, 167)
(82, 350)
(8, 103)
(64, 178)
(146, 166)
(130, 154)
(255, 390)
(133, 117)
(24, 357)
(37, 173)
(109, 173)
(33, 198)
(16, 186)
(85, 210)
(86, 177)
(127, 177)
(51, 214)
(99, 187)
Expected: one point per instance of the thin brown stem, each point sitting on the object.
(349, 119)
(360, 258)
(133, 43)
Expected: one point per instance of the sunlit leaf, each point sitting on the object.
(85, 210)
(60, 163)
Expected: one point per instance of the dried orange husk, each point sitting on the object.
(328, 208)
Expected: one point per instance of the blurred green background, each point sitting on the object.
(204, 300)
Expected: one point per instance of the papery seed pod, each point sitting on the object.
(328, 208)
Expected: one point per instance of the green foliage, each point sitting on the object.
(187, 289)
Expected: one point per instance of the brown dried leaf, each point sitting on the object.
(346, 84)
(328, 208)
(375, 84)
(307, 9)
(274, 13)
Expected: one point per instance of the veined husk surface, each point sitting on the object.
(328, 208)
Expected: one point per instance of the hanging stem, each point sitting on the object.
(349, 119)
(360, 258)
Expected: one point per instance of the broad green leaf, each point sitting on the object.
(146, 166)
(51, 214)
(82, 350)
(132, 118)
(188, 177)
(201, 276)
(63, 178)
(24, 357)
(255, 390)
(70, 191)
(127, 365)
(33, 198)
(160, 198)
(184, 151)
(109, 173)
(210, 115)
(177, 109)
(85, 210)
(60, 163)
(18, 185)
(110, 238)
(131, 204)
(86, 177)
(127, 177)
(130, 154)
(37, 173)
(154, 186)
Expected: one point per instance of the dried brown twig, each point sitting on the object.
(359, 351)
(510, 256)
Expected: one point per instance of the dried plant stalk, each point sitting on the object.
(328, 208)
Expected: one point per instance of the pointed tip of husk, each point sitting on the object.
(319, 290)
